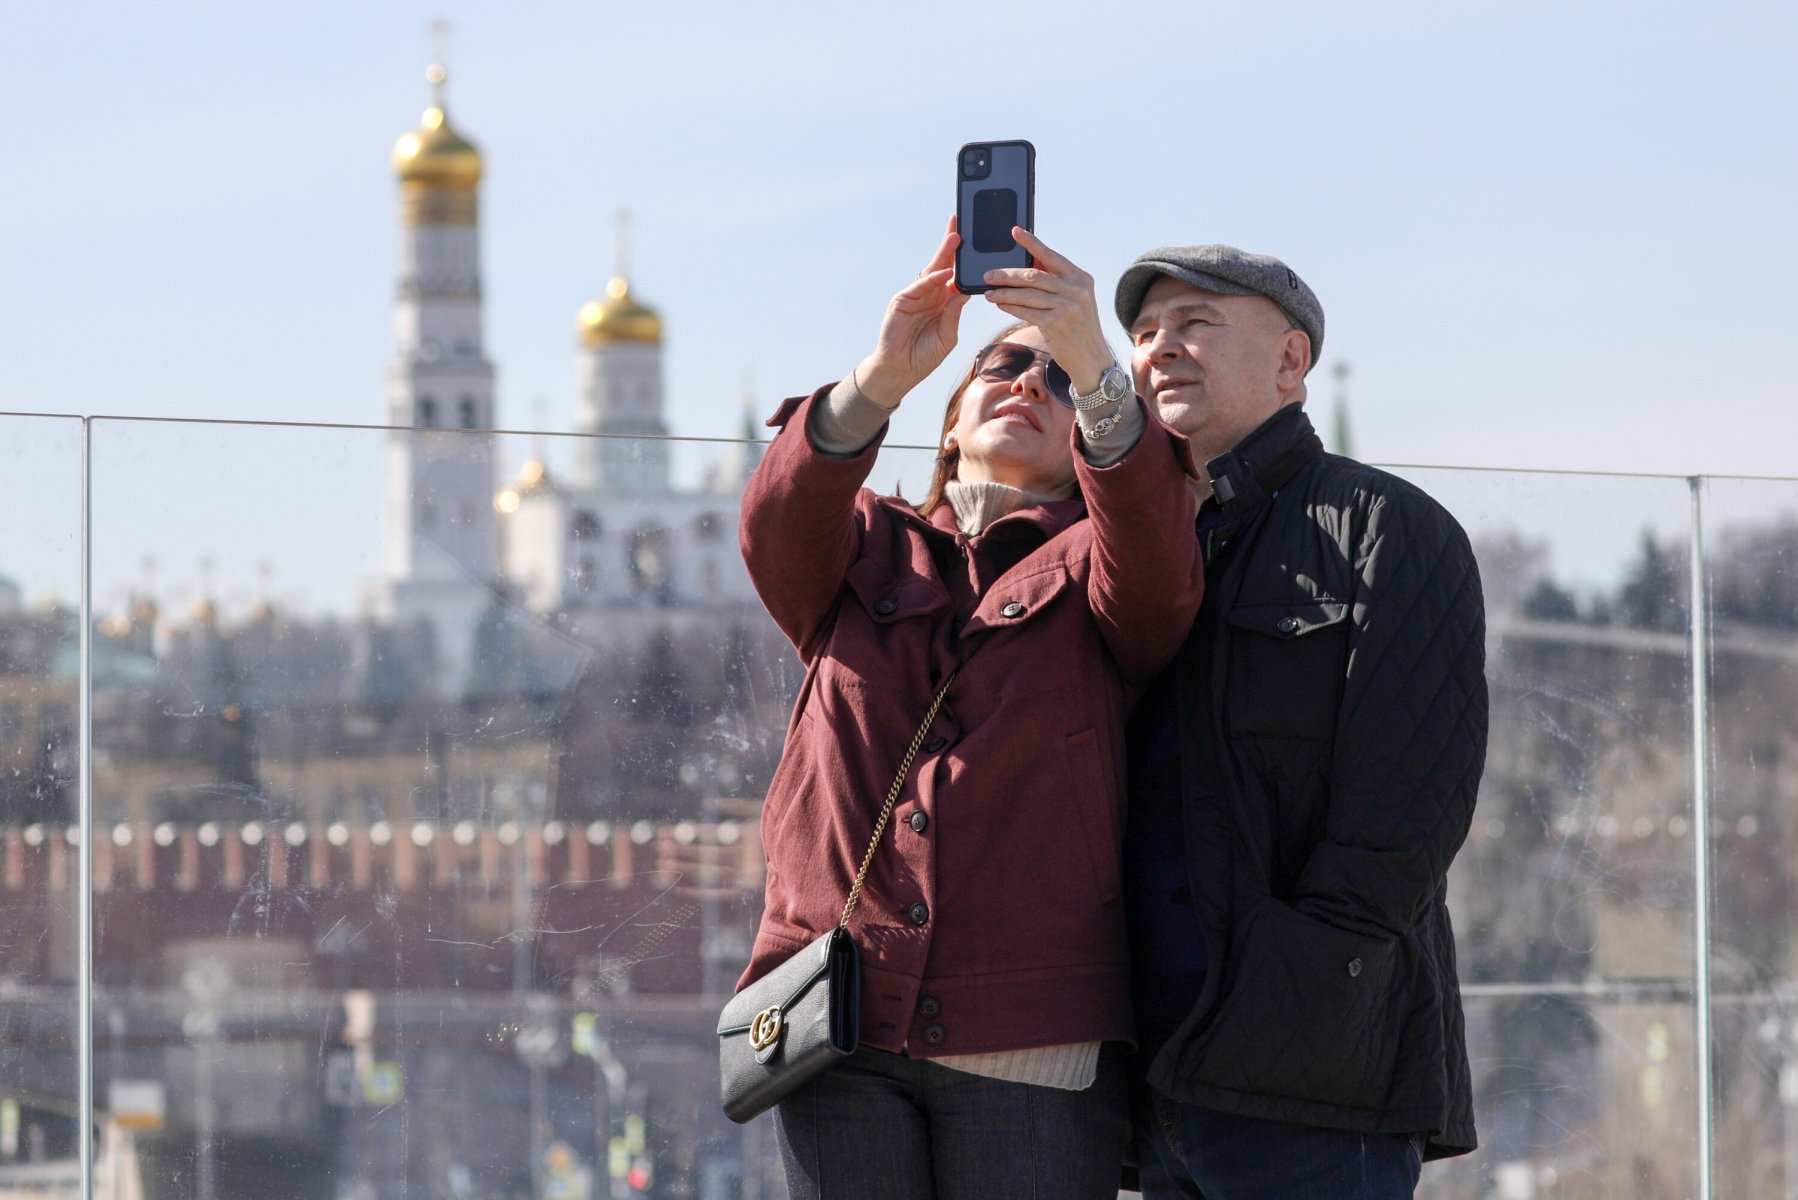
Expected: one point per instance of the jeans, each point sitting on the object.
(887, 1127)
(1192, 1153)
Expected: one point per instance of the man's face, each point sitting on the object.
(1216, 366)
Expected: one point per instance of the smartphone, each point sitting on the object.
(995, 189)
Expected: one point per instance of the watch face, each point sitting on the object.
(1114, 384)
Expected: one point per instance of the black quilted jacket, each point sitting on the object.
(1333, 727)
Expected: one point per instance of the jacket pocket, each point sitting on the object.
(1015, 601)
(1084, 793)
(888, 597)
(1305, 1013)
(1287, 665)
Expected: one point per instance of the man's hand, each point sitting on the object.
(1057, 297)
(919, 330)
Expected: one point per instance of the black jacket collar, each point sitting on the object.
(1243, 477)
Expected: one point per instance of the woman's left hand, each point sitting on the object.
(1057, 297)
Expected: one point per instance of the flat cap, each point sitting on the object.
(1229, 272)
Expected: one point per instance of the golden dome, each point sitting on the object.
(435, 155)
(618, 318)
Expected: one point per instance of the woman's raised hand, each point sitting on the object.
(920, 328)
(1057, 297)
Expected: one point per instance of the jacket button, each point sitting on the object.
(935, 744)
(919, 913)
(1012, 609)
(930, 1006)
(1289, 624)
(1354, 967)
(886, 608)
(934, 1034)
(918, 820)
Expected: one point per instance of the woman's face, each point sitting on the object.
(1015, 431)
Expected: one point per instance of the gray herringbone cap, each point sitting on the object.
(1229, 272)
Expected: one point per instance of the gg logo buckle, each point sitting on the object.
(764, 1031)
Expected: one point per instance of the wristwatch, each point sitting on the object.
(1114, 385)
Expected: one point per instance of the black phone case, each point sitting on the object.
(987, 208)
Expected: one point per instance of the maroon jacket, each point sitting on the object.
(991, 919)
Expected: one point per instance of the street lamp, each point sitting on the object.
(206, 984)
(540, 1046)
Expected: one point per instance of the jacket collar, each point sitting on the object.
(1244, 476)
(1048, 518)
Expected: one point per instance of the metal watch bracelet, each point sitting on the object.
(1101, 396)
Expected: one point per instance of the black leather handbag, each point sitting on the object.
(803, 1017)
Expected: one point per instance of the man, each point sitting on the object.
(1302, 776)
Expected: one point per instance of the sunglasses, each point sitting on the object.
(1003, 362)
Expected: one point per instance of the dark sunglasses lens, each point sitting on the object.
(1004, 360)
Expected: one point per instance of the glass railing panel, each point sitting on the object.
(40, 952)
(427, 769)
(1572, 897)
(435, 783)
(1751, 583)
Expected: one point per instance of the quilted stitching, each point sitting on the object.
(1296, 1039)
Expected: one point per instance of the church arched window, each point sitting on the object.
(649, 559)
(467, 407)
(427, 413)
(585, 527)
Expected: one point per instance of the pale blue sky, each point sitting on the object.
(1547, 235)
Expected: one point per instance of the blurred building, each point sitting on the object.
(616, 534)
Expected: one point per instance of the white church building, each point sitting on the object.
(616, 533)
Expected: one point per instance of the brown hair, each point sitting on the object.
(948, 459)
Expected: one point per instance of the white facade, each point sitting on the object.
(441, 535)
(618, 392)
(577, 549)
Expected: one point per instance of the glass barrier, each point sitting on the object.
(425, 819)
(435, 821)
(1572, 896)
(1751, 581)
(40, 772)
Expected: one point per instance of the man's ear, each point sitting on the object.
(1295, 360)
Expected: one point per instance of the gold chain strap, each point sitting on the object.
(886, 813)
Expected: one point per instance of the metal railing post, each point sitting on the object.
(1701, 823)
(84, 800)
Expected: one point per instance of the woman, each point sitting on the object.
(1056, 582)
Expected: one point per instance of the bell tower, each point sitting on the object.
(442, 545)
(619, 389)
